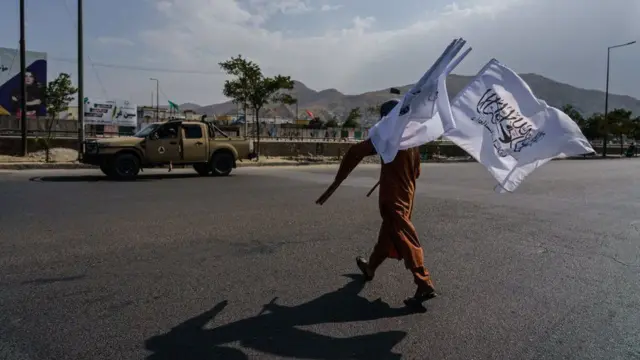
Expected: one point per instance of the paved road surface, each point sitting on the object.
(181, 267)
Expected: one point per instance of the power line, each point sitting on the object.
(142, 68)
(95, 71)
(163, 94)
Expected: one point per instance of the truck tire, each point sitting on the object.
(203, 169)
(126, 166)
(222, 163)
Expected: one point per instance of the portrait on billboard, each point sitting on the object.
(35, 83)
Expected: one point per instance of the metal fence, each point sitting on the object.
(37, 127)
(64, 128)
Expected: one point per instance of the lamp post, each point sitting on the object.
(23, 87)
(606, 98)
(80, 81)
(157, 98)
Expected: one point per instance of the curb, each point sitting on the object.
(51, 166)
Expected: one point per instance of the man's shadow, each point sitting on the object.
(276, 332)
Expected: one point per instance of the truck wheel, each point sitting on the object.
(222, 163)
(126, 166)
(203, 169)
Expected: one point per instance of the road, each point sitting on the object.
(180, 267)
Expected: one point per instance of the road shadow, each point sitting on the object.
(275, 331)
(96, 178)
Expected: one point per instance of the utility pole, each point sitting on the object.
(23, 86)
(157, 98)
(80, 83)
(606, 99)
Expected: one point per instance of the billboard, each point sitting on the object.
(35, 79)
(110, 112)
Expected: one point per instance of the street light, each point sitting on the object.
(157, 98)
(606, 98)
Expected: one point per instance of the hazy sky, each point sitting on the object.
(351, 45)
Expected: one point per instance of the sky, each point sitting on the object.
(353, 46)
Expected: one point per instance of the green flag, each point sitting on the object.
(173, 106)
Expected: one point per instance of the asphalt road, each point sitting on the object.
(180, 267)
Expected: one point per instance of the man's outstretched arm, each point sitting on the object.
(351, 159)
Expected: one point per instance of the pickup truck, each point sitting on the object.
(177, 142)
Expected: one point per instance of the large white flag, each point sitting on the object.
(427, 129)
(408, 124)
(499, 121)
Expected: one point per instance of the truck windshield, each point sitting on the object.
(145, 131)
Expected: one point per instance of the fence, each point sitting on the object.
(37, 127)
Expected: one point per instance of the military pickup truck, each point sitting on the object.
(177, 142)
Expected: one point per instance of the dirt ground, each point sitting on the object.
(56, 155)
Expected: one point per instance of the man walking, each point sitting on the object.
(397, 238)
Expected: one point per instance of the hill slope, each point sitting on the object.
(330, 102)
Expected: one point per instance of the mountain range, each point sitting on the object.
(331, 102)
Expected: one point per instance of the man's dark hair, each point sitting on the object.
(387, 106)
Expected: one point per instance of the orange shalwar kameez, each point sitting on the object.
(397, 238)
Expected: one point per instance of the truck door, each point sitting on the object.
(163, 145)
(194, 144)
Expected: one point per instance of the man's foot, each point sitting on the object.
(363, 265)
(420, 297)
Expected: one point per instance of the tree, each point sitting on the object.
(332, 122)
(239, 89)
(634, 132)
(594, 127)
(620, 125)
(316, 123)
(59, 94)
(267, 90)
(352, 118)
(575, 115)
(251, 88)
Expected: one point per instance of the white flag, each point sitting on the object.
(408, 124)
(427, 129)
(499, 121)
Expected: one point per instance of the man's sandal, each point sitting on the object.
(363, 265)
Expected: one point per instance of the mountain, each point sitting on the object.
(330, 102)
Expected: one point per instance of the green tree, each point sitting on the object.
(316, 123)
(267, 90)
(59, 93)
(239, 88)
(251, 88)
(635, 129)
(332, 122)
(594, 127)
(620, 125)
(575, 115)
(352, 118)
